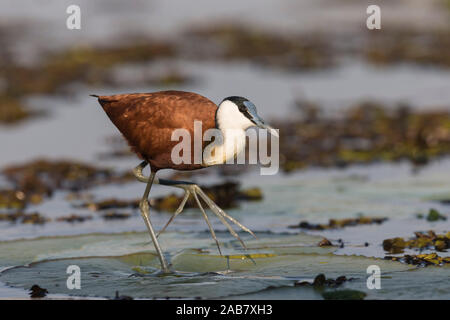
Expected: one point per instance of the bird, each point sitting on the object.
(147, 122)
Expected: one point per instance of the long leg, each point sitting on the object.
(176, 213)
(221, 218)
(192, 188)
(213, 234)
(145, 211)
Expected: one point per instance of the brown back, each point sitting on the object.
(147, 121)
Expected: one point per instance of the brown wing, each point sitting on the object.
(147, 121)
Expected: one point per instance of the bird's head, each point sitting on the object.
(240, 113)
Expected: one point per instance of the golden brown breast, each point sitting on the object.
(147, 121)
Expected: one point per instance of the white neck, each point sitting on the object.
(233, 143)
(232, 124)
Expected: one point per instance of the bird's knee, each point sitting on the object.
(137, 171)
(144, 206)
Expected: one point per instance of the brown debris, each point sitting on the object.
(10, 199)
(37, 292)
(324, 243)
(336, 223)
(111, 204)
(41, 178)
(425, 48)
(231, 42)
(321, 281)
(116, 216)
(365, 133)
(429, 240)
(34, 218)
(28, 218)
(74, 218)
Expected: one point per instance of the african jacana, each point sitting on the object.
(147, 121)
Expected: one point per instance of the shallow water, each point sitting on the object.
(118, 255)
(111, 253)
(395, 191)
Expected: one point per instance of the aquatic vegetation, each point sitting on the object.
(225, 195)
(429, 240)
(12, 110)
(35, 181)
(27, 218)
(43, 177)
(116, 215)
(11, 217)
(325, 243)
(110, 204)
(87, 65)
(422, 260)
(425, 48)
(54, 71)
(433, 215)
(340, 223)
(233, 42)
(366, 133)
(34, 218)
(11, 199)
(321, 281)
(74, 218)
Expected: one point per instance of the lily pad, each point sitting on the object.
(126, 263)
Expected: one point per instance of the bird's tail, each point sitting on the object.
(104, 100)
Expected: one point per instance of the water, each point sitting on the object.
(118, 255)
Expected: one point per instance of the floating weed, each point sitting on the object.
(110, 204)
(11, 199)
(74, 218)
(87, 65)
(336, 223)
(41, 178)
(428, 240)
(366, 133)
(227, 195)
(233, 42)
(325, 243)
(422, 260)
(12, 110)
(401, 45)
(116, 215)
(34, 218)
(27, 218)
(434, 215)
(54, 71)
(321, 284)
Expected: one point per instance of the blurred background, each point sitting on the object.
(364, 119)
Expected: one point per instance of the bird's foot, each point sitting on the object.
(196, 192)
